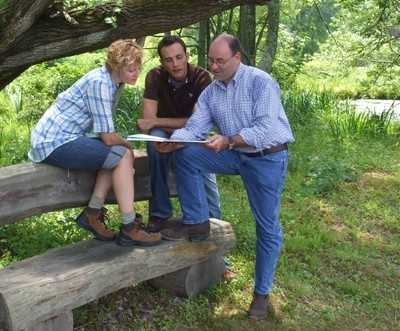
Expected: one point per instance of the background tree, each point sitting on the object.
(249, 23)
(203, 42)
(360, 55)
(247, 33)
(270, 47)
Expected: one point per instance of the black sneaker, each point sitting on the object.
(194, 232)
(258, 307)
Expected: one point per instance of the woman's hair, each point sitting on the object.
(123, 52)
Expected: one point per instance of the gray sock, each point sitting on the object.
(96, 202)
(127, 218)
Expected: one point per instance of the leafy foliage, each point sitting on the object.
(41, 84)
(129, 110)
(360, 58)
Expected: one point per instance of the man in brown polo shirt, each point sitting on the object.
(171, 92)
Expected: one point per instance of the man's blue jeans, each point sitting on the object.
(263, 178)
(159, 165)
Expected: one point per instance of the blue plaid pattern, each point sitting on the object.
(249, 105)
(84, 107)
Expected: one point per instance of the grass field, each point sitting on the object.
(339, 268)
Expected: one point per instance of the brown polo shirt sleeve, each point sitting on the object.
(152, 84)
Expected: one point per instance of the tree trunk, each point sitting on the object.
(32, 32)
(202, 44)
(272, 36)
(246, 35)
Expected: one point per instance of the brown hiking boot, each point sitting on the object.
(156, 224)
(194, 232)
(95, 224)
(137, 235)
(258, 307)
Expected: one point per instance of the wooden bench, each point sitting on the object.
(40, 293)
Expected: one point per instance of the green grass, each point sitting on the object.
(339, 267)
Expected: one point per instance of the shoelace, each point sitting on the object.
(103, 217)
(140, 226)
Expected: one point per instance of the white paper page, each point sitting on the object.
(146, 137)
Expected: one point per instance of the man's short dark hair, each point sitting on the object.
(168, 41)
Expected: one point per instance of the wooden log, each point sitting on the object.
(64, 322)
(37, 289)
(34, 188)
(193, 280)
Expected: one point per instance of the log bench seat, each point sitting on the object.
(40, 293)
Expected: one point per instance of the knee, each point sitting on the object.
(128, 158)
(184, 155)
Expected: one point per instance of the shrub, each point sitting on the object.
(41, 83)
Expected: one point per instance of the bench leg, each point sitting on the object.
(193, 280)
(63, 322)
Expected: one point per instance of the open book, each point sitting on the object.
(146, 137)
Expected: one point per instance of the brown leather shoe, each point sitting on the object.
(95, 224)
(137, 235)
(195, 232)
(156, 224)
(258, 306)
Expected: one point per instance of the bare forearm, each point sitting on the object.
(113, 139)
(171, 123)
(165, 124)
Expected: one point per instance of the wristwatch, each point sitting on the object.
(230, 143)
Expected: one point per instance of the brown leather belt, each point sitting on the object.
(267, 151)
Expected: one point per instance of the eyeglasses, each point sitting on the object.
(219, 62)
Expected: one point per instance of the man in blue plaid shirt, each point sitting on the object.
(244, 104)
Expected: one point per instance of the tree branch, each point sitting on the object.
(17, 17)
(45, 38)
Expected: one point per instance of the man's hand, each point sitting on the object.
(145, 124)
(166, 147)
(217, 143)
